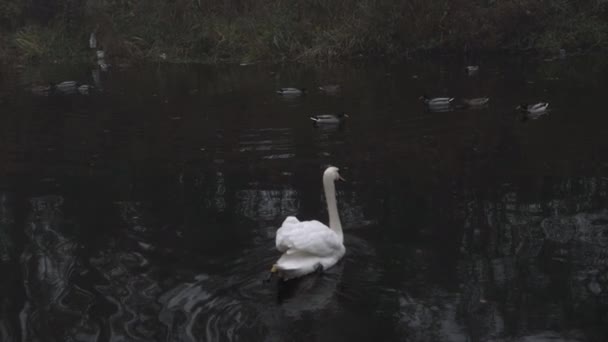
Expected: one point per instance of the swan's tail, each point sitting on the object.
(314, 118)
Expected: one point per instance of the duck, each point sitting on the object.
(329, 118)
(330, 88)
(66, 87)
(85, 89)
(472, 69)
(93, 40)
(536, 108)
(436, 101)
(42, 90)
(291, 91)
(476, 102)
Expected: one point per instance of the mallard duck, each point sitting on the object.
(85, 89)
(537, 108)
(472, 69)
(42, 90)
(291, 91)
(66, 87)
(436, 101)
(330, 88)
(476, 102)
(93, 40)
(329, 118)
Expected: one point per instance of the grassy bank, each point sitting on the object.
(294, 30)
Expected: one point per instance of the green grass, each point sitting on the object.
(34, 42)
(307, 30)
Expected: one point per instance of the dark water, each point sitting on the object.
(147, 210)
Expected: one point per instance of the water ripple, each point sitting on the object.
(49, 263)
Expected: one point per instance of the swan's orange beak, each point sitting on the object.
(273, 269)
(340, 178)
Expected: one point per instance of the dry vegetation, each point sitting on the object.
(305, 30)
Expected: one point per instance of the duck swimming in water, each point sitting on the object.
(537, 108)
(436, 101)
(329, 118)
(291, 91)
(476, 102)
(472, 69)
(330, 88)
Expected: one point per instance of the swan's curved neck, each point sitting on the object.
(332, 206)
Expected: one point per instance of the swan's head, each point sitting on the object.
(332, 173)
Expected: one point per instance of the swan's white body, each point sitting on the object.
(308, 246)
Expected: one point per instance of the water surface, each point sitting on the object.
(147, 210)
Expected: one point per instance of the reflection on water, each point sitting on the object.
(148, 211)
(49, 264)
(7, 227)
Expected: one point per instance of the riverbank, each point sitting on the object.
(309, 31)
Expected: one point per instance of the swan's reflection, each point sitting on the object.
(310, 293)
(237, 304)
(350, 279)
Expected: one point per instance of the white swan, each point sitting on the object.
(311, 246)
